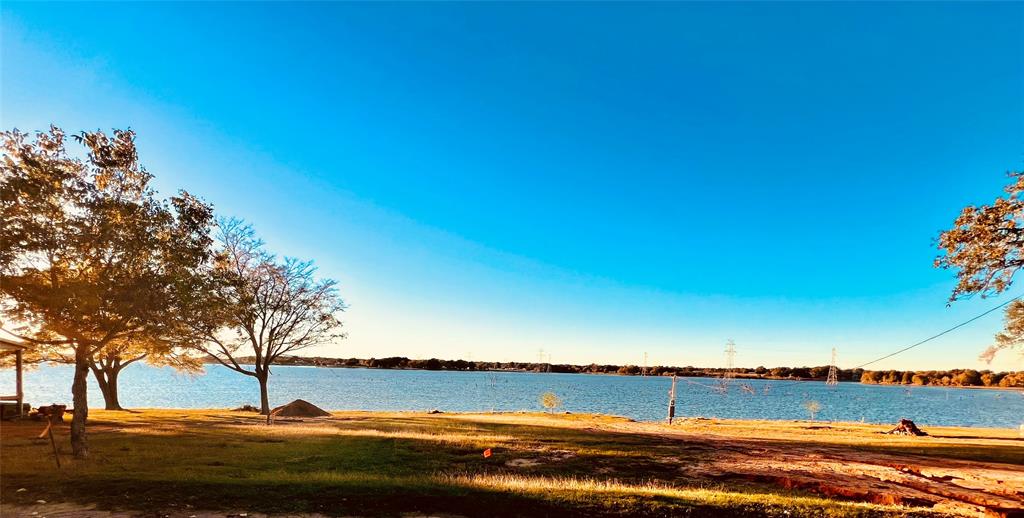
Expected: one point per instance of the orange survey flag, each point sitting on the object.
(487, 453)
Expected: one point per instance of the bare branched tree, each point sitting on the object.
(258, 308)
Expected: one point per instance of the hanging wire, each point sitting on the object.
(922, 342)
(709, 387)
(930, 338)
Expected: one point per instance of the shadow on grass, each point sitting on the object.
(378, 498)
(206, 461)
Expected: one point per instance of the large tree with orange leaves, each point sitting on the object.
(91, 262)
(986, 248)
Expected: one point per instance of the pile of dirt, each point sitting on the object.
(906, 427)
(299, 408)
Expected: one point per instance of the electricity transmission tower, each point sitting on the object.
(644, 372)
(730, 358)
(833, 374)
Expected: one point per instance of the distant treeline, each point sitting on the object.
(962, 378)
(951, 378)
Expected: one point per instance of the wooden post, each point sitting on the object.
(54, 416)
(672, 400)
(18, 382)
(53, 442)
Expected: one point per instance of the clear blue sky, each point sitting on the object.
(597, 180)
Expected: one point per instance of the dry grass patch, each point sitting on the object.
(704, 496)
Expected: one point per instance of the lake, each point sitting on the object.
(641, 398)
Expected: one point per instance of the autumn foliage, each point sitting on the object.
(986, 248)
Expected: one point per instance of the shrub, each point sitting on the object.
(550, 401)
(812, 407)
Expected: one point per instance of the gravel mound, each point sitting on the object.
(299, 408)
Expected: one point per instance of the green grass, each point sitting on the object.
(381, 464)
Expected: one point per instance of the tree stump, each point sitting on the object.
(906, 427)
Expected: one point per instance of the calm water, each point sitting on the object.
(642, 398)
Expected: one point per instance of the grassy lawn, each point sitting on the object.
(358, 463)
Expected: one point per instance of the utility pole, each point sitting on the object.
(833, 374)
(644, 372)
(672, 400)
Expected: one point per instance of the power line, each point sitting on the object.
(930, 338)
(922, 342)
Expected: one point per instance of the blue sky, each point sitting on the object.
(597, 180)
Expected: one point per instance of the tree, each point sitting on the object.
(550, 401)
(255, 304)
(986, 247)
(629, 370)
(891, 377)
(812, 407)
(819, 372)
(871, 377)
(1014, 380)
(88, 255)
(800, 372)
(967, 378)
(107, 363)
(991, 379)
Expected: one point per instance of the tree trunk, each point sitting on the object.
(106, 378)
(264, 399)
(79, 397)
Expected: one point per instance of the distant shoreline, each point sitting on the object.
(945, 379)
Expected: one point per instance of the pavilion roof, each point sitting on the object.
(7, 345)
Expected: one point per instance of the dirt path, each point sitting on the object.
(961, 487)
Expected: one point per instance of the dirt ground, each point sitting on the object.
(845, 470)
